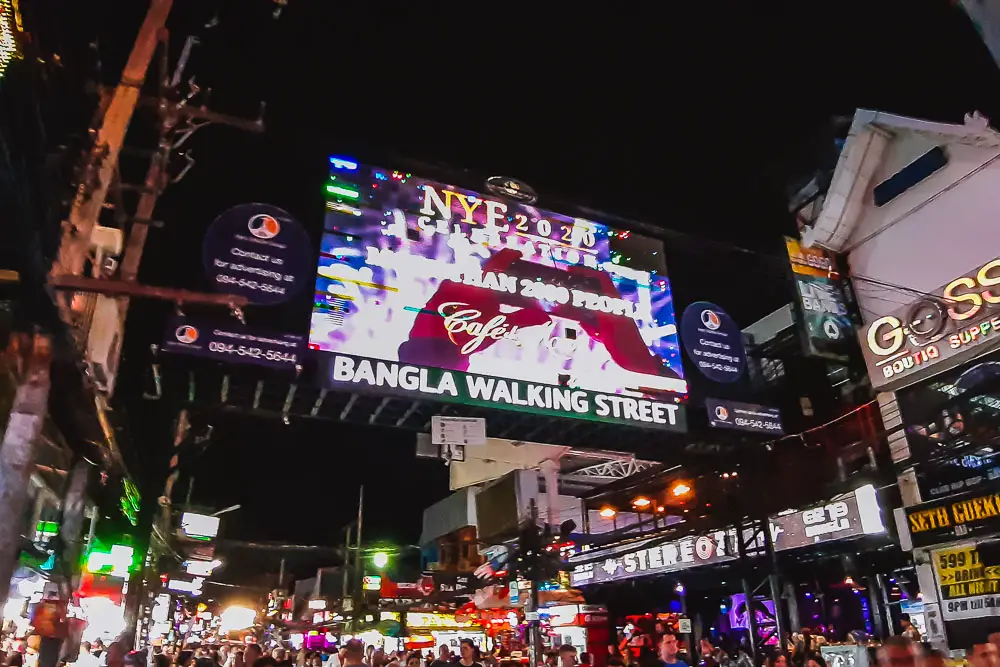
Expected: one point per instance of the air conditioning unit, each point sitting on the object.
(104, 343)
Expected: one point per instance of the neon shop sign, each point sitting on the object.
(933, 329)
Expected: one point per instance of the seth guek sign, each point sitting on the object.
(954, 517)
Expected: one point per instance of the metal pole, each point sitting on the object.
(359, 571)
(886, 610)
(780, 616)
(875, 607)
(187, 497)
(537, 652)
(93, 189)
(688, 637)
(751, 619)
(31, 354)
(346, 567)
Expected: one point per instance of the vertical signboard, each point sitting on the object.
(825, 324)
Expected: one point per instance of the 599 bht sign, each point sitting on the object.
(932, 329)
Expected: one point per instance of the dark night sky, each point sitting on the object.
(692, 118)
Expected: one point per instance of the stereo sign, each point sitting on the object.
(851, 515)
(418, 274)
(743, 416)
(899, 346)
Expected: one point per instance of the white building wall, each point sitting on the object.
(941, 228)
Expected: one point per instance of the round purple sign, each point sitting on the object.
(713, 341)
(257, 251)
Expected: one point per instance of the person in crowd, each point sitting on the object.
(203, 661)
(934, 658)
(585, 659)
(983, 655)
(86, 658)
(470, 654)
(669, 647)
(161, 660)
(354, 654)
(567, 655)
(370, 654)
(444, 657)
(910, 631)
(115, 655)
(316, 660)
(552, 659)
(413, 660)
(16, 659)
(710, 655)
(252, 653)
(899, 652)
(815, 660)
(265, 661)
(615, 661)
(805, 646)
(778, 660)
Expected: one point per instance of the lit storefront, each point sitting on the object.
(952, 425)
(823, 535)
(438, 629)
(582, 626)
(939, 357)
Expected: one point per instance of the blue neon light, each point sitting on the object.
(343, 163)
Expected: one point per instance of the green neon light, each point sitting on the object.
(343, 192)
(131, 500)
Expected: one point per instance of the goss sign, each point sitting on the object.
(427, 289)
(933, 329)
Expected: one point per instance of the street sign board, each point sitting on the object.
(458, 430)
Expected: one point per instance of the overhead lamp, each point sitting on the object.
(680, 489)
(679, 588)
(380, 559)
(660, 508)
(608, 512)
(641, 502)
(848, 580)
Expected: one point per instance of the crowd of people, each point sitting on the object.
(804, 650)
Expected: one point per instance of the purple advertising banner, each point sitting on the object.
(743, 416)
(257, 251)
(233, 343)
(713, 341)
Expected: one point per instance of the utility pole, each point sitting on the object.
(93, 189)
(29, 357)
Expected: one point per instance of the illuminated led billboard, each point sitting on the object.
(425, 288)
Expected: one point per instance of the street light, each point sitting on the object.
(680, 489)
(380, 559)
